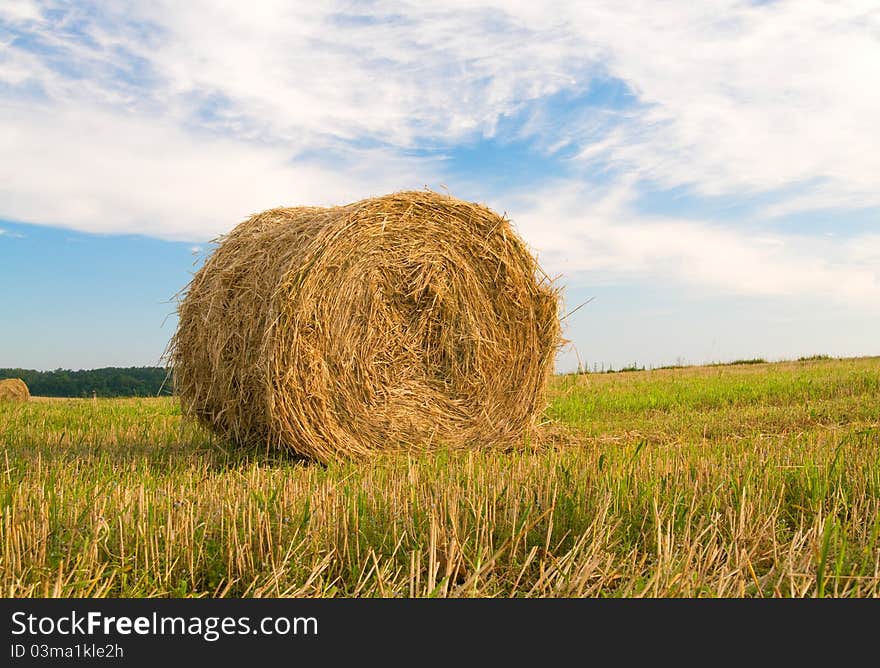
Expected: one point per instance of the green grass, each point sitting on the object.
(743, 480)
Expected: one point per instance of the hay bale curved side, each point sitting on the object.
(408, 321)
(14, 389)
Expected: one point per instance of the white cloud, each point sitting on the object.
(405, 74)
(314, 73)
(100, 171)
(596, 237)
(732, 96)
(19, 11)
(740, 97)
(179, 119)
(865, 249)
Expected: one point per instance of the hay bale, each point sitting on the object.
(14, 389)
(408, 321)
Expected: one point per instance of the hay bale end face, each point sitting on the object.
(404, 322)
(14, 389)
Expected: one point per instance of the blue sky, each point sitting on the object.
(708, 173)
(101, 300)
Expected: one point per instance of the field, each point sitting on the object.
(746, 480)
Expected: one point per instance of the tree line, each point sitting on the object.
(142, 381)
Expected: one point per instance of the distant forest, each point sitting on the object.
(141, 381)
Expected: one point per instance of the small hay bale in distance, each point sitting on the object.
(405, 322)
(14, 389)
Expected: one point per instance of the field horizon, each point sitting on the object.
(740, 480)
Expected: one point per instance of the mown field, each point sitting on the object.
(759, 480)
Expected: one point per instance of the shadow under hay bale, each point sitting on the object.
(14, 389)
(409, 321)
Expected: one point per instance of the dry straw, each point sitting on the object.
(404, 322)
(14, 389)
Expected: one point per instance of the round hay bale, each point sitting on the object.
(14, 389)
(404, 322)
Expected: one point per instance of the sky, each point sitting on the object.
(705, 175)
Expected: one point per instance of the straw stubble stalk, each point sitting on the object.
(404, 322)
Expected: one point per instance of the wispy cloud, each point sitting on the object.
(10, 235)
(739, 97)
(179, 119)
(731, 95)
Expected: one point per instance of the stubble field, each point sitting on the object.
(745, 480)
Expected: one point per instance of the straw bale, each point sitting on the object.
(404, 322)
(14, 389)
